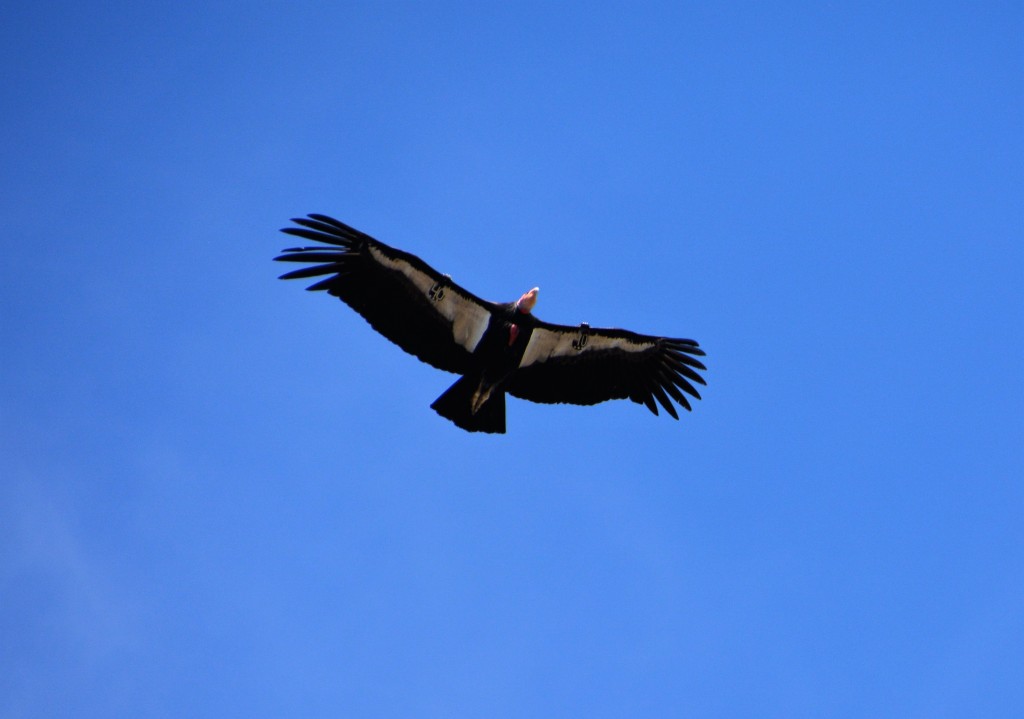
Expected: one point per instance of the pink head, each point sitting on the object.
(525, 303)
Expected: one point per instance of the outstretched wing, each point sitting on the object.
(401, 296)
(581, 365)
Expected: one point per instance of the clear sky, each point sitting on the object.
(221, 495)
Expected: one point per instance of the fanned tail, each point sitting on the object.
(457, 402)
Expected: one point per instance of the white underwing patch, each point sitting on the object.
(545, 344)
(468, 319)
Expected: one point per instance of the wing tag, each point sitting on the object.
(580, 342)
(436, 292)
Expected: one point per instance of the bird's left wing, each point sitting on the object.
(400, 295)
(584, 365)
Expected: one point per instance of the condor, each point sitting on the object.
(497, 348)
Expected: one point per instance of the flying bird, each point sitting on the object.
(498, 348)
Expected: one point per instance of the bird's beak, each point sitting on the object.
(527, 301)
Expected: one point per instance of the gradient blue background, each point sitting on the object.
(223, 496)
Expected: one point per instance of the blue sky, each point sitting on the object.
(224, 496)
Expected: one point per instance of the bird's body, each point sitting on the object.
(497, 348)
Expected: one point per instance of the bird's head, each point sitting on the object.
(525, 303)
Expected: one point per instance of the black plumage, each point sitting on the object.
(496, 347)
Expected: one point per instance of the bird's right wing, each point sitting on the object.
(400, 295)
(584, 365)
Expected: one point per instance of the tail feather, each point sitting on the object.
(457, 402)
